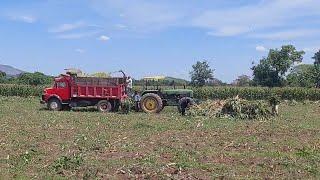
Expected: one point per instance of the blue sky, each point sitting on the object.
(153, 37)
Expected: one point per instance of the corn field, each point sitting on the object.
(20, 90)
(249, 93)
(257, 93)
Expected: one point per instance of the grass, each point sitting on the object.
(36, 143)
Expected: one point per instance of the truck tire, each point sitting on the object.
(104, 106)
(183, 100)
(151, 103)
(54, 104)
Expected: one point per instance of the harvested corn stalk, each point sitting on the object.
(235, 108)
(207, 108)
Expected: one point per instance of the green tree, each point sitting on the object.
(34, 79)
(2, 74)
(242, 81)
(3, 77)
(317, 68)
(265, 75)
(316, 58)
(201, 73)
(271, 71)
(302, 75)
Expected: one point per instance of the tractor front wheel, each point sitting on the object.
(151, 103)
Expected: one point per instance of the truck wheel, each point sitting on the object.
(151, 103)
(183, 100)
(54, 104)
(104, 106)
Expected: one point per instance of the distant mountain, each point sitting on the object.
(167, 81)
(10, 71)
(216, 82)
(177, 80)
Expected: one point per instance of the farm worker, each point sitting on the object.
(184, 104)
(129, 84)
(137, 99)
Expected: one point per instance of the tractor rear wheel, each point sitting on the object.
(104, 106)
(151, 103)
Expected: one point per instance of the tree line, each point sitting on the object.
(282, 67)
(33, 79)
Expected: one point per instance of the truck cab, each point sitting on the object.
(60, 90)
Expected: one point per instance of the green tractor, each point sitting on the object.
(154, 98)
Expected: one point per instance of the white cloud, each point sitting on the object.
(67, 27)
(104, 38)
(81, 51)
(218, 20)
(256, 17)
(121, 26)
(143, 14)
(312, 49)
(77, 35)
(229, 31)
(24, 18)
(76, 30)
(261, 49)
(287, 35)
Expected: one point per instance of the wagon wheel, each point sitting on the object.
(151, 103)
(104, 106)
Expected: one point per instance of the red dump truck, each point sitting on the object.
(69, 90)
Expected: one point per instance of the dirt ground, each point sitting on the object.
(36, 143)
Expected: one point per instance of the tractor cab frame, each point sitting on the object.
(155, 97)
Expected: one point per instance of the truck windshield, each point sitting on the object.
(61, 84)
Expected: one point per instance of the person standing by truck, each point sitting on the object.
(137, 99)
(129, 85)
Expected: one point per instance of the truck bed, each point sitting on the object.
(92, 87)
(95, 81)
